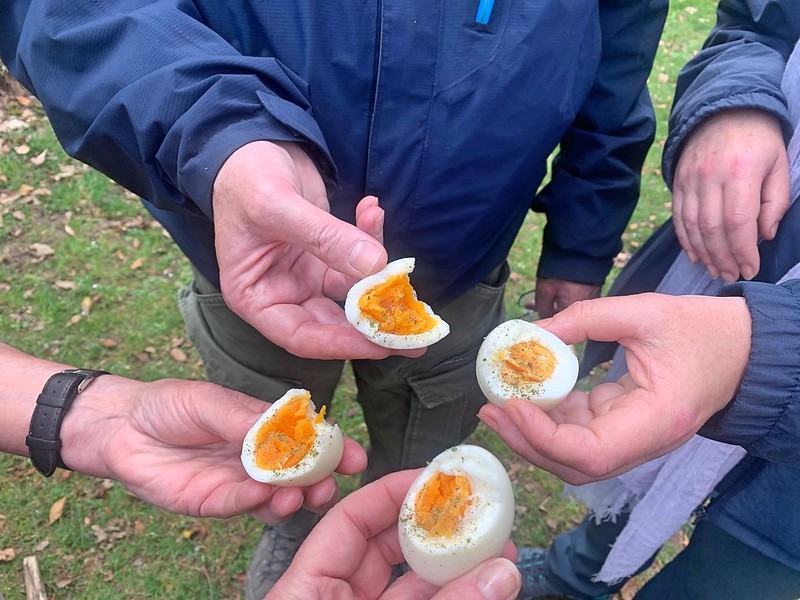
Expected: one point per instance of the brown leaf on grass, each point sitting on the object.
(39, 159)
(100, 535)
(42, 545)
(9, 125)
(65, 285)
(138, 528)
(108, 342)
(62, 583)
(23, 99)
(18, 215)
(22, 149)
(69, 230)
(42, 251)
(137, 264)
(25, 189)
(663, 78)
(7, 554)
(178, 355)
(56, 510)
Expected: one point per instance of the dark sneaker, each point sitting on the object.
(530, 562)
(275, 552)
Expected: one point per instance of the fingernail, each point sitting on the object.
(379, 225)
(498, 580)
(748, 272)
(364, 256)
(774, 231)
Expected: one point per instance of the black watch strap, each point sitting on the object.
(44, 435)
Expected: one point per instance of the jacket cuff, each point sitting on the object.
(762, 417)
(206, 136)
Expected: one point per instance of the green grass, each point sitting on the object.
(106, 297)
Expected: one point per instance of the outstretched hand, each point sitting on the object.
(285, 260)
(351, 552)
(686, 356)
(731, 185)
(177, 445)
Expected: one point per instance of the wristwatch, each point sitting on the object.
(44, 435)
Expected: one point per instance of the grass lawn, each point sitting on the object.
(87, 278)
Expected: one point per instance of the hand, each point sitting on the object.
(284, 259)
(350, 554)
(554, 295)
(731, 184)
(686, 356)
(177, 445)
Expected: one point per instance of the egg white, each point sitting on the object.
(321, 460)
(369, 328)
(545, 394)
(484, 529)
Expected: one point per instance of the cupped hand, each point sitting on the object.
(554, 295)
(686, 356)
(285, 260)
(177, 445)
(351, 552)
(731, 185)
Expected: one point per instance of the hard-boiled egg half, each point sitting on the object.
(457, 513)
(384, 307)
(521, 360)
(291, 444)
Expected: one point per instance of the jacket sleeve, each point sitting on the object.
(764, 416)
(596, 175)
(145, 92)
(740, 66)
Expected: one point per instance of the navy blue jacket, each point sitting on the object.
(741, 65)
(448, 121)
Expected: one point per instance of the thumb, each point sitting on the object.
(340, 245)
(496, 579)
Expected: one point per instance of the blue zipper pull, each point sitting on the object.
(484, 11)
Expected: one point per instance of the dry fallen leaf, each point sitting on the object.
(22, 149)
(57, 509)
(178, 355)
(39, 159)
(137, 264)
(7, 554)
(42, 250)
(65, 285)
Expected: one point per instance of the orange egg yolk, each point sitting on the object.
(441, 504)
(288, 436)
(527, 362)
(394, 307)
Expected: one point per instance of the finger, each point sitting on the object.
(369, 217)
(362, 516)
(742, 205)
(354, 458)
(774, 198)
(282, 505)
(694, 202)
(498, 578)
(677, 221)
(321, 496)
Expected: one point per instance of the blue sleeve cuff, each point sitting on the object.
(764, 416)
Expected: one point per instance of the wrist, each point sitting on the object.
(93, 422)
